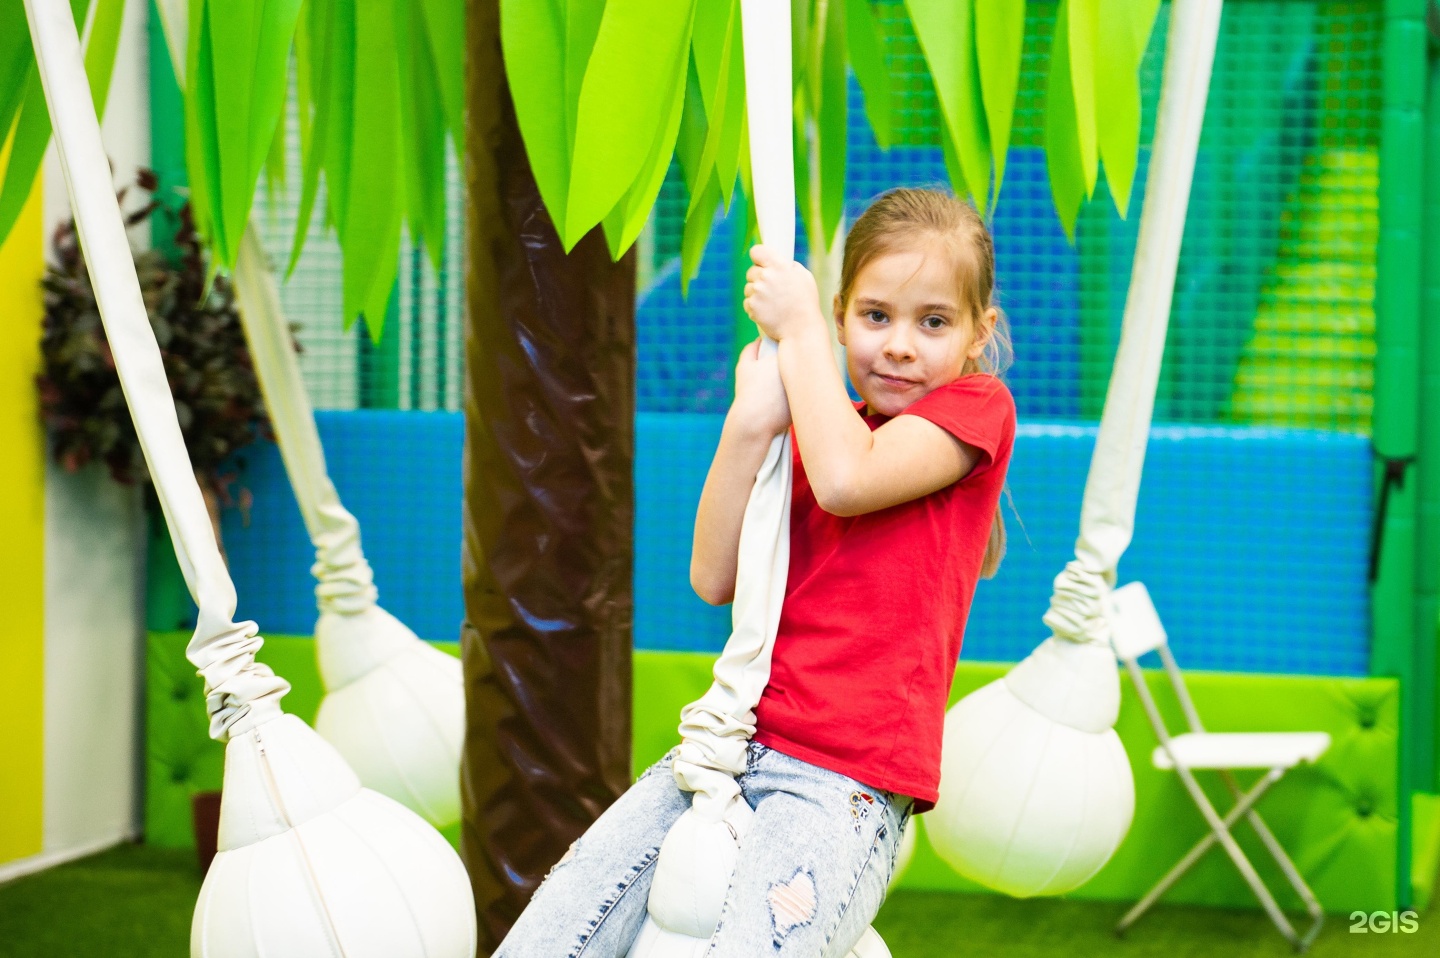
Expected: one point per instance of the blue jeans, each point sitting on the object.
(812, 873)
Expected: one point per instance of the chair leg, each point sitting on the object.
(1287, 866)
(1252, 878)
(1218, 827)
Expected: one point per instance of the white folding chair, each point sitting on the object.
(1135, 630)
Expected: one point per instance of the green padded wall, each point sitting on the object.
(1338, 819)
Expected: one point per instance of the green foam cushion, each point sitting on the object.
(1337, 820)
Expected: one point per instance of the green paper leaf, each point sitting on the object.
(624, 101)
(100, 49)
(583, 19)
(999, 39)
(800, 150)
(202, 161)
(697, 233)
(422, 131)
(532, 35)
(27, 150)
(831, 123)
(233, 30)
(952, 162)
(867, 59)
(240, 68)
(946, 31)
(315, 88)
(1062, 140)
(801, 15)
(1082, 22)
(690, 142)
(1125, 33)
(710, 42)
(15, 62)
(340, 138)
(275, 161)
(624, 223)
(725, 105)
(374, 198)
(728, 152)
(445, 20)
(24, 116)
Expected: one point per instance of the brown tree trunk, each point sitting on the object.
(549, 416)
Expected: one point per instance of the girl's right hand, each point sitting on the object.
(760, 404)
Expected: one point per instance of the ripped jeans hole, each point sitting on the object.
(569, 854)
(792, 904)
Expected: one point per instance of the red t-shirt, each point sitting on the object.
(875, 609)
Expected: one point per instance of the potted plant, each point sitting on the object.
(202, 344)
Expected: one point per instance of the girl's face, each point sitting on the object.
(904, 330)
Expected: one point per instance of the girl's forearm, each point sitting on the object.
(718, 518)
(833, 440)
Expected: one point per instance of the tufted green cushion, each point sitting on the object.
(1337, 819)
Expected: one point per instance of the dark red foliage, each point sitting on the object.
(217, 397)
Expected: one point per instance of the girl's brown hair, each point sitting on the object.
(900, 219)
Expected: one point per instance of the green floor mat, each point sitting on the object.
(135, 902)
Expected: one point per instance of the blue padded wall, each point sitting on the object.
(1264, 572)
(399, 473)
(1261, 572)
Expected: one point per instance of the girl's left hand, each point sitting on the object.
(780, 295)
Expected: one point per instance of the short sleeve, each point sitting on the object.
(976, 409)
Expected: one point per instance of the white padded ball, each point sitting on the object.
(693, 874)
(655, 942)
(310, 863)
(1028, 806)
(395, 709)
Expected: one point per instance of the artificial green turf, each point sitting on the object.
(135, 902)
(940, 925)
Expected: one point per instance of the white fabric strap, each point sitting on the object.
(716, 728)
(1107, 517)
(346, 583)
(239, 693)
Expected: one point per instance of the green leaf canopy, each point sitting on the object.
(24, 120)
(606, 93)
(606, 90)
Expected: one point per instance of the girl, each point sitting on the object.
(894, 519)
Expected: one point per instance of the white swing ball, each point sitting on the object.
(310, 863)
(1037, 791)
(395, 709)
(692, 874)
(656, 942)
(692, 877)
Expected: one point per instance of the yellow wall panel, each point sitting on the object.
(22, 539)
